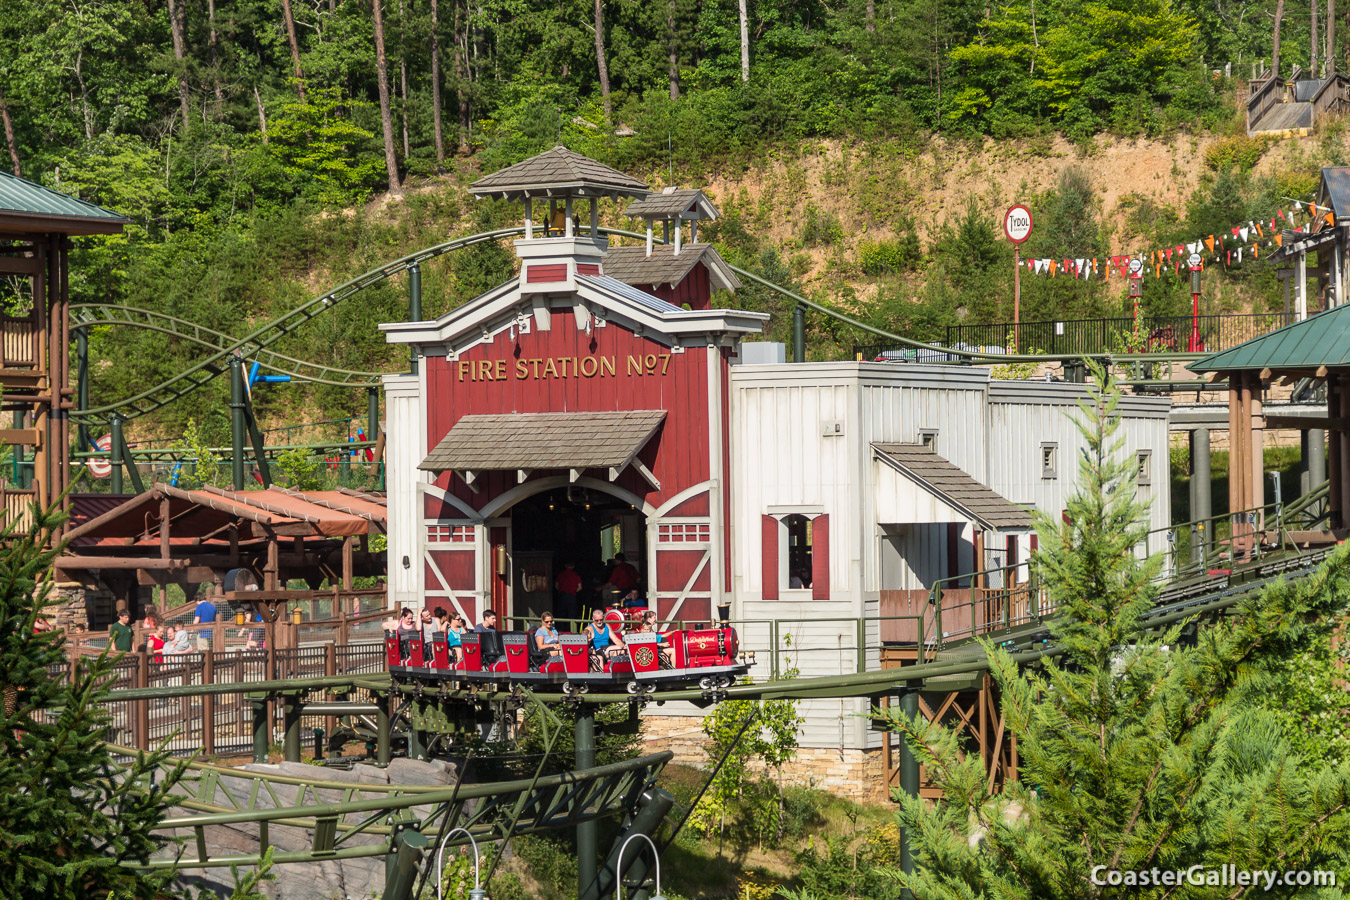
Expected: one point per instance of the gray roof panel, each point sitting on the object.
(562, 170)
(627, 291)
(984, 504)
(20, 197)
(568, 440)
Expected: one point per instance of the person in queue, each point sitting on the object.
(154, 643)
(546, 636)
(179, 641)
(606, 641)
(120, 632)
(648, 626)
(204, 614)
(623, 577)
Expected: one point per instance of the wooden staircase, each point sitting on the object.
(1295, 106)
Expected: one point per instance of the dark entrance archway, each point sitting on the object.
(581, 525)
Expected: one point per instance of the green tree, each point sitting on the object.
(70, 817)
(1138, 749)
(198, 463)
(302, 470)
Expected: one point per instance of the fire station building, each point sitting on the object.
(599, 404)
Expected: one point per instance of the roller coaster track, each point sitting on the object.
(89, 315)
(348, 820)
(256, 344)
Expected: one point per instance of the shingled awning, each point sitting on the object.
(673, 203)
(948, 485)
(572, 440)
(558, 171)
(632, 265)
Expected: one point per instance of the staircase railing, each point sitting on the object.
(1262, 95)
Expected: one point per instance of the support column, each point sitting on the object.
(291, 719)
(403, 863)
(909, 781)
(1343, 407)
(237, 422)
(637, 858)
(415, 308)
(1315, 458)
(1333, 454)
(261, 727)
(1258, 430)
(382, 731)
(1202, 484)
(586, 831)
(798, 333)
(372, 413)
(20, 476)
(82, 382)
(116, 452)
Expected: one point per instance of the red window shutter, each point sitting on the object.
(820, 558)
(768, 555)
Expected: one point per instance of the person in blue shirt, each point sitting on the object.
(205, 614)
(546, 637)
(453, 641)
(605, 640)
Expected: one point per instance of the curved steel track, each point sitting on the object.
(256, 344)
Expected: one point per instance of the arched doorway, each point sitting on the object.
(579, 524)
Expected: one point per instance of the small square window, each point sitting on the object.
(1049, 460)
(1144, 472)
(928, 438)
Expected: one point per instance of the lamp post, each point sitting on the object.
(477, 893)
(618, 866)
(1194, 261)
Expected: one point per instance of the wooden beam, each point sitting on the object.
(28, 437)
(573, 475)
(119, 562)
(20, 265)
(521, 475)
(646, 473)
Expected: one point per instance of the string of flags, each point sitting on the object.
(1228, 248)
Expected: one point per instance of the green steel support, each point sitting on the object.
(414, 307)
(237, 422)
(291, 717)
(20, 475)
(402, 863)
(417, 745)
(798, 333)
(860, 664)
(909, 780)
(586, 831)
(382, 733)
(255, 436)
(372, 413)
(653, 806)
(82, 383)
(120, 455)
(261, 739)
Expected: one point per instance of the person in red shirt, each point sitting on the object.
(623, 577)
(568, 583)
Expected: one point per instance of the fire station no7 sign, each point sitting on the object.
(1017, 223)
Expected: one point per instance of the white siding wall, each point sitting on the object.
(1024, 415)
(405, 447)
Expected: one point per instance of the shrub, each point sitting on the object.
(820, 229)
(1237, 152)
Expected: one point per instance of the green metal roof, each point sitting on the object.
(47, 210)
(1320, 340)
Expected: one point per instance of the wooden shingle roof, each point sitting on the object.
(671, 203)
(632, 265)
(561, 171)
(930, 471)
(567, 440)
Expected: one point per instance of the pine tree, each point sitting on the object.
(1138, 750)
(70, 817)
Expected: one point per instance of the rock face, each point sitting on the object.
(356, 879)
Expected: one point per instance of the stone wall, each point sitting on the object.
(857, 775)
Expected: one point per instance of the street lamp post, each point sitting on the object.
(477, 893)
(1194, 261)
(1136, 287)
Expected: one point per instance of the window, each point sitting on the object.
(928, 438)
(1049, 460)
(798, 551)
(690, 533)
(1145, 467)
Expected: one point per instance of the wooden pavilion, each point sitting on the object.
(247, 545)
(36, 227)
(1318, 349)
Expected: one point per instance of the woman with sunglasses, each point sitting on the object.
(453, 642)
(546, 637)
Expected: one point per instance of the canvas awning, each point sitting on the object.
(915, 485)
(570, 440)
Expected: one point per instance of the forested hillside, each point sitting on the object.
(860, 149)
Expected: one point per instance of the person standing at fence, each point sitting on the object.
(179, 641)
(120, 632)
(154, 643)
(205, 614)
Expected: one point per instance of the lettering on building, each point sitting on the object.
(540, 368)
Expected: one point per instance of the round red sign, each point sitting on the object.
(1017, 223)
